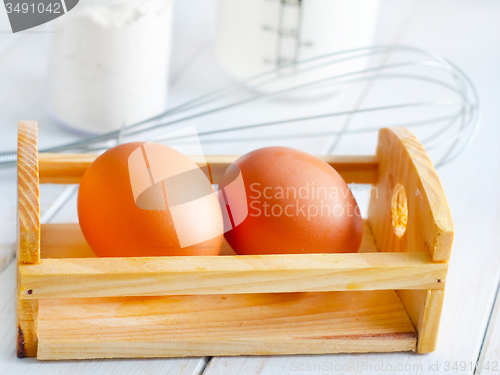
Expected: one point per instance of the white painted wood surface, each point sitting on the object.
(489, 360)
(465, 31)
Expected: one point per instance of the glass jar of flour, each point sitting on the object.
(110, 64)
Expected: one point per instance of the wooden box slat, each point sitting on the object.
(150, 276)
(215, 325)
(403, 161)
(69, 168)
(144, 276)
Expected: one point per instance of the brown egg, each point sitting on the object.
(146, 199)
(296, 204)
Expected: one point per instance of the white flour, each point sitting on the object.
(110, 63)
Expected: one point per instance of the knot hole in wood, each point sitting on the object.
(399, 210)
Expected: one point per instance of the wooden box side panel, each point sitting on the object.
(424, 310)
(28, 249)
(429, 227)
(233, 324)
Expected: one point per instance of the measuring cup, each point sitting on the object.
(255, 36)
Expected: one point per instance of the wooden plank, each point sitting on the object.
(355, 169)
(193, 275)
(255, 324)
(69, 168)
(63, 168)
(27, 321)
(28, 248)
(28, 194)
(66, 240)
(145, 276)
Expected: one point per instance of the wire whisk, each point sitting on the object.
(451, 119)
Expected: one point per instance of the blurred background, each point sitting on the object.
(109, 64)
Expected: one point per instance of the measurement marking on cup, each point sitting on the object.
(288, 31)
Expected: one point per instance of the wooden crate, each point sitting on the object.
(385, 298)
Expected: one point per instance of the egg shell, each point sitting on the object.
(115, 226)
(288, 192)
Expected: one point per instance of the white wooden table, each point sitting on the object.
(466, 32)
